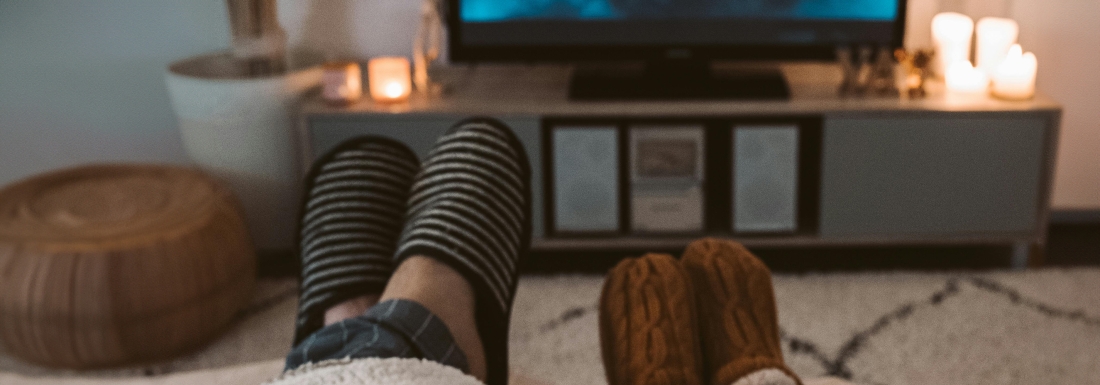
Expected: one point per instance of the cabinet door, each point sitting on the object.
(419, 132)
(929, 174)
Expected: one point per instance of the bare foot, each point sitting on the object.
(351, 308)
(448, 295)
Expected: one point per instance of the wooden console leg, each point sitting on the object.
(1026, 254)
(1021, 250)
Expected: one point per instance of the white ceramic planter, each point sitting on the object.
(241, 130)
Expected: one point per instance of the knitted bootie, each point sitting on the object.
(648, 324)
(738, 325)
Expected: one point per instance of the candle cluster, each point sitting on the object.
(1002, 66)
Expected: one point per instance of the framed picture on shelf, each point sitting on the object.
(666, 176)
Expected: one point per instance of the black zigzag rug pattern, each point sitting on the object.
(859, 327)
(837, 365)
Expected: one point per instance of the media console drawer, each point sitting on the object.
(934, 176)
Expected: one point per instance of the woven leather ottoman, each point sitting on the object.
(116, 264)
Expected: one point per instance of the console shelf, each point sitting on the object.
(880, 171)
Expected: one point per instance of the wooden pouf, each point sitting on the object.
(117, 264)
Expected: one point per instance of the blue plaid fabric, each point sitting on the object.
(392, 329)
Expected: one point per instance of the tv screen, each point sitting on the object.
(642, 29)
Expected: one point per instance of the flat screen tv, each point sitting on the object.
(668, 31)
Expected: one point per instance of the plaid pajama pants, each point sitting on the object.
(392, 329)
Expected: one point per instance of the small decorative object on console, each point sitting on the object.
(917, 67)
(1015, 76)
(883, 75)
(866, 75)
(342, 83)
(667, 175)
(848, 67)
(426, 46)
(389, 79)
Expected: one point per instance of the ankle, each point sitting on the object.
(448, 295)
(350, 308)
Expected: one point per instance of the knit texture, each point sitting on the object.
(648, 324)
(738, 323)
(470, 208)
(352, 215)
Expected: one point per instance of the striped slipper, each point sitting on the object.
(647, 324)
(738, 323)
(470, 208)
(352, 213)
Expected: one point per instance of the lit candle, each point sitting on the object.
(1014, 79)
(966, 82)
(995, 36)
(390, 79)
(342, 83)
(952, 33)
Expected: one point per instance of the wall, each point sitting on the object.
(1065, 37)
(83, 80)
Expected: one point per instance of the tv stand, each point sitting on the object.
(676, 80)
(878, 171)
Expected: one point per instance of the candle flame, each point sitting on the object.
(394, 90)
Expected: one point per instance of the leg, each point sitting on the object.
(350, 308)
(1021, 254)
(469, 212)
(352, 215)
(648, 324)
(738, 322)
(445, 293)
(393, 328)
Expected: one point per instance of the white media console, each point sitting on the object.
(816, 170)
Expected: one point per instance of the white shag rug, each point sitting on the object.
(1033, 327)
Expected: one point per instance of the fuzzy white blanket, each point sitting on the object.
(375, 371)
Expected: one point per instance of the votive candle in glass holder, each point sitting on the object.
(341, 83)
(1014, 78)
(995, 36)
(964, 82)
(390, 79)
(952, 34)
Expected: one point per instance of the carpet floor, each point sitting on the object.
(1032, 327)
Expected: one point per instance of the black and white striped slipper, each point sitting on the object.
(352, 215)
(470, 208)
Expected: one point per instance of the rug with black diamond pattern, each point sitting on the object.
(1032, 327)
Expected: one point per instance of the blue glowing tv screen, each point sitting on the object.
(532, 26)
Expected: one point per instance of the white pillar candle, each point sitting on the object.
(952, 34)
(966, 82)
(995, 36)
(390, 79)
(1014, 78)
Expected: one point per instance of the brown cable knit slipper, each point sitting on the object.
(738, 325)
(647, 324)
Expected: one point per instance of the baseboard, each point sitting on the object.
(1075, 216)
